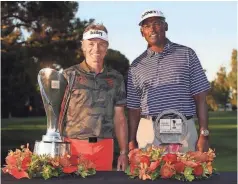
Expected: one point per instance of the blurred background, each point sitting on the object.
(36, 35)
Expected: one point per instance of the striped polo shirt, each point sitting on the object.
(167, 80)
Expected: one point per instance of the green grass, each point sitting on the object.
(223, 139)
(223, 126)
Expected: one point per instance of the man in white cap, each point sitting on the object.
(165, 76)
(96, 105)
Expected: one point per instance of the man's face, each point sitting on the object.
(153, 29)
(95, 49)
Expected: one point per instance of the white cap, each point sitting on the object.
(151, 13)
(92, 33)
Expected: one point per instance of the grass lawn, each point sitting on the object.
(223, 126)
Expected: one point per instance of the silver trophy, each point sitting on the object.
(170, 128)
(52, 87)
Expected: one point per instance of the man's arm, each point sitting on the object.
(134, 119)
(121, 128)
(202, 114)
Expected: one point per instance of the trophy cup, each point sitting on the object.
(52, 87)
(170, 129)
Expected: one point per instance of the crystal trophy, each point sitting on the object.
(52, 87)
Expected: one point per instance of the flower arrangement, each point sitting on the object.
(155, 162)
(24, 164)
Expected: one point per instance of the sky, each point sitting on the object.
(209, 28)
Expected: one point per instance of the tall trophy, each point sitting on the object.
(170, 129)
(52, 87)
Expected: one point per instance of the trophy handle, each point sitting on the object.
(65, 102)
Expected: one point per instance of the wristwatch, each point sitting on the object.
(204, 132)
(123, 152)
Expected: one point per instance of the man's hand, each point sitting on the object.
(202, 144)
(133, 123)
(122, 162)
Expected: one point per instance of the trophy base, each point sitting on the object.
(52, 148)
(49, 138)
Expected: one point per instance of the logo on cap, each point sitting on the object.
(149, 12)
(92, 33)
(96, 32)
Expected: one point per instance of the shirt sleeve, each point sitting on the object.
(198, 78)
(133, 99)
(120, 98)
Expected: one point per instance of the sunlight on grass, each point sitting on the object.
(220, 118)
(227, 126)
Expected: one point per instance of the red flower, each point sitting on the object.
(167, 171)
(154, 165)
(132, 168)
(11, 160)
(74, 160)
(179, 167)
(198, 170)
(145, 159)
(170, 158)
(64, 161)
(190, 164)
(134, 156)
(199, 156)
(70, 169)
(18, 174)
(25, 163)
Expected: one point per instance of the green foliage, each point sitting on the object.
(232, 77)
(49, 171)
(83, 172)
(188, 173)
(40, 167)
(52, 37)
(127, 171)
(156, 173)
(221, 89)
(114, 59)
(224, 87)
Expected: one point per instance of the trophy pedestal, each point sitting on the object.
(52, 148)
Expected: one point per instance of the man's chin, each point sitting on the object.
(154, 43)
(96, 60)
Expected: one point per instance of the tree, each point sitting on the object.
(53, 38)
(232, 78)
(221, 87)
(211, 102)
(117, 61)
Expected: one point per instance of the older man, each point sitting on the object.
(165, 76)
(96, 105)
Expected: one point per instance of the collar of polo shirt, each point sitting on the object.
(84, 66)
(167, 48)
(92, 33)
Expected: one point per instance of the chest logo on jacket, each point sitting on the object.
(109, 82)
(81, 79)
